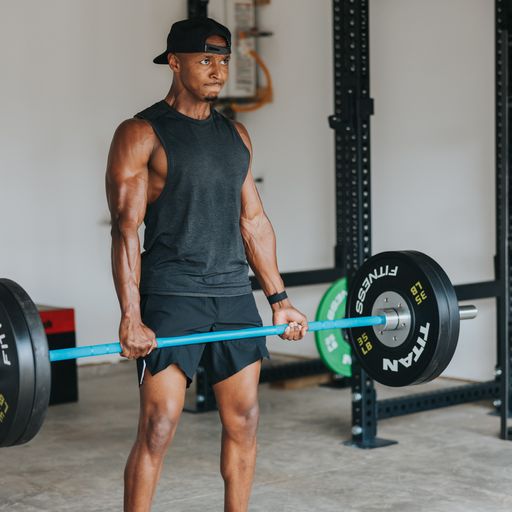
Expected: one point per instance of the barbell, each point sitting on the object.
(403, 321)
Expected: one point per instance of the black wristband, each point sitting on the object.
(277, 297)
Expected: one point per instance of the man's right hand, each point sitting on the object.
(137, 340)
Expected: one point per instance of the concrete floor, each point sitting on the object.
(448, 460)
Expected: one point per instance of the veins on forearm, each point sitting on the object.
(260, 248)
(126, 266)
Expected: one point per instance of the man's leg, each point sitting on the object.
(237, 399)
(161, 401)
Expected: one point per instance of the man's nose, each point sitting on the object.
(215, 70)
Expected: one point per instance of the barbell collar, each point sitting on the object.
(395, 319)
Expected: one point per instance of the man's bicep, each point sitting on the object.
(127, 197)
(127, 172)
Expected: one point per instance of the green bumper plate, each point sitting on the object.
(334, 351)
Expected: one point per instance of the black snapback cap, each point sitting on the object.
(190, 35)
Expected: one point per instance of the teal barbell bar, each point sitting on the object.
(209, 337)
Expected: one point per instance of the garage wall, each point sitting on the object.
(73, 69)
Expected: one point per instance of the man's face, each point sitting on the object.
(202, 74)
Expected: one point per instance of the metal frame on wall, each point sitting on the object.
(351, 122)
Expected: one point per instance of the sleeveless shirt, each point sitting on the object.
(192, 239)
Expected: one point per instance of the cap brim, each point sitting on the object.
(161, 59)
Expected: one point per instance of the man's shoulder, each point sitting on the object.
(141, 127)
(152, 112)
(244, 134)
(134, 131)
(241, 128)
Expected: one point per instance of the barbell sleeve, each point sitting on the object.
(468, 312)
(208, 337)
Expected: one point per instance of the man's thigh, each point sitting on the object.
(238, 394)
(164, 390)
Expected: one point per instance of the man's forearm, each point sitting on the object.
(126, 270)
(260, 249)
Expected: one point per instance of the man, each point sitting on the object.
(184, 169)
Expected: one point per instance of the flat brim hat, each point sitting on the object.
(189, 36)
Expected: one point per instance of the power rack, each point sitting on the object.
(351, 122)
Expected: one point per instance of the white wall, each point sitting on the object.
(73, 69)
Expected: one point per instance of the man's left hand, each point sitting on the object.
(297, 323)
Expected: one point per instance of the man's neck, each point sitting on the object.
(188, 106)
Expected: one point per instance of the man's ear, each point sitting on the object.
(174, 62)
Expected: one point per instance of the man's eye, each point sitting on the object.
(205, 61)
(225, 61)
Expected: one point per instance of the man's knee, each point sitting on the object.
(241, 423)
(158, 428)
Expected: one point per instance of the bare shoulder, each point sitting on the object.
(134, 132)
(244, 134)
(130, 151)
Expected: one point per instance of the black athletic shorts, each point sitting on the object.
(176, 315)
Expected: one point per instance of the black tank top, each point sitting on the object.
(192, 240)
